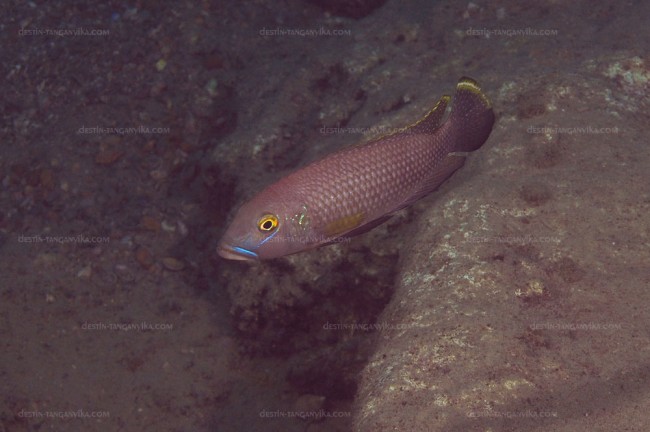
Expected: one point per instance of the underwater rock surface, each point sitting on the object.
(513, 307)
(514, 298)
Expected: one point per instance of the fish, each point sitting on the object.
(355, 189)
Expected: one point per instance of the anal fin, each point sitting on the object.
(359, 230)
(367, 227)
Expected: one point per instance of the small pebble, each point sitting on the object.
(182, 228)
(150, 223)
(158, 174)
(144, 257)
(172, 264)
(47, 179)
(108, 157)
(85, 272)
(167, 227)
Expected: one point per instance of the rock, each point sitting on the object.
(526, 328)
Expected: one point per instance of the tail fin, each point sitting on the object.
(471, 116)
(466, 128)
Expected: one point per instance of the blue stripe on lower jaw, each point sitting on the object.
(245, 252)
(236, 253)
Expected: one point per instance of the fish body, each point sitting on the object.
(357, 188)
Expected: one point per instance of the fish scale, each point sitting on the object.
(373, 181)
(355, 189)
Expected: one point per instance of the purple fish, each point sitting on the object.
(355, 189)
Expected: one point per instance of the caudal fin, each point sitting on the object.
(466, 128)
(471, 118)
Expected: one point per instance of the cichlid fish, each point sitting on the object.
(355, 189)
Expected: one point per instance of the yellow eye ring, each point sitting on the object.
(268, 223)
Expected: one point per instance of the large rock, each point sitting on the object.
(522, 303)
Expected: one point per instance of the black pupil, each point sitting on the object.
(267, 225)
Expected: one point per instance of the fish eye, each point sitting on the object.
(268, 223)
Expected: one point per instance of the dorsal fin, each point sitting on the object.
(426, 125)
(432, 120)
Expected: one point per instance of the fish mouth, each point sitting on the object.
(236, 253)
